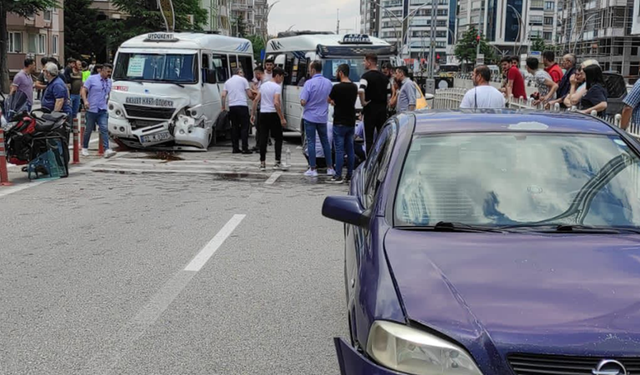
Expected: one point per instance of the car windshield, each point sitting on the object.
(330, 67)
(148, 67)
(497, 179)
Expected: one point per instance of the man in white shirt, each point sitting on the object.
(483, 95)
(268, 70)
(272, 118)
(238, 90)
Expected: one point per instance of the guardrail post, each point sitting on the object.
(530, 102)
(76, 143)
(100, 147)
(594, 113)
(82, 125)
(573, 108)
(617, 120)
(510, 100)
(556, 107)
(4, 172)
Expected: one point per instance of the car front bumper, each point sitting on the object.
(353, 363)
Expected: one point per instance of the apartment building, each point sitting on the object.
(510, 25)
(407, 23)
(37, 36)
(605, 30)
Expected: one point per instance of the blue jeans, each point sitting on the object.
(310, 129)
(102, 119)
(75, 106)
(343, 140)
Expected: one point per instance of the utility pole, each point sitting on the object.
(430, 85)
(338, 23)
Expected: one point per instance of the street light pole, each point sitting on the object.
(519, 29)
(581, 31)
(266, 20)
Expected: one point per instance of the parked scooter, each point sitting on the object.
(39, 140)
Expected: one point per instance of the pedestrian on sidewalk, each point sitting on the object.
(75, 85)
(272, 120)
(24, 83)
(564, 87)
(387, 70)
(483, 95)
(85, 72)
(95, 96)
(631, 111)
(595, 99)
(407, 94)
(515, 83)
(343, 97)
(374, 92)
(238, 90)
(545, 84)
(41, 81)
(71, 64)
(314, 99)
(56, 96)
(550, 66)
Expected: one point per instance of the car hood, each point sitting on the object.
(538, 293)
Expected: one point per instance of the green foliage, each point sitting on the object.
(80, 37)
(466, 48)
(258, 45)
(539, 44)
(239, 27)
(144, 17)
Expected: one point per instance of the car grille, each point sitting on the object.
(528, 364)
(140, 124)
(149, 112)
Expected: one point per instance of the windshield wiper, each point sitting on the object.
(562, 228)
(447, 226)
(175, 83)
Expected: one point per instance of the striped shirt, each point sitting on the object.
(633, 100)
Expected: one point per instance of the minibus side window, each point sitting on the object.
(247, 67)
(233, 62)
(221, 65)
(288, 68)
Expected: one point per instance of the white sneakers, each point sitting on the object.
(311, 173)
(109, 153)
(85, 152)
(331, 172)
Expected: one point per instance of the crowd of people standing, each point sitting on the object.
(381, 94)
(66, 89)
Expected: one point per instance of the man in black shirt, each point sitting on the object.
(343, 97)
(374, 88)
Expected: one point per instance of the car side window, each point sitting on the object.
(378, 162)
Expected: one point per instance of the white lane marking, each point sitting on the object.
(14, 189)
(207, 252)
(273, 178)
(183, 171)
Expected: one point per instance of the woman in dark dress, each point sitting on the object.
(595, 99)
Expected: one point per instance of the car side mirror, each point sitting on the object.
(345, 209)
(210, 76)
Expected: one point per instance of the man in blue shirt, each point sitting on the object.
(315, 100)
(95, 95)
(631, 111)
(56, 95)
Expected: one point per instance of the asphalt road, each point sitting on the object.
(122, 269)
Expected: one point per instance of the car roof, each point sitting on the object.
(501, 120)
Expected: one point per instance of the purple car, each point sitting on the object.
(493, 242)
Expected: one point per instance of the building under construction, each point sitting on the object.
(603, 30)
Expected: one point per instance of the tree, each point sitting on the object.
(22, 8)
(258, 45)
(466, 47)
(145, 17)
(537, 44)
(80, 37)
(240, 26)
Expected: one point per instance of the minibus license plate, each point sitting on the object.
(155, 138)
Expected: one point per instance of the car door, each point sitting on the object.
(369, 180)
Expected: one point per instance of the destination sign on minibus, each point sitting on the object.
(356, 39)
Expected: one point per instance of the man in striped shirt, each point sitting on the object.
(631, 112)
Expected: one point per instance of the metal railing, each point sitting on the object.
(451, 99)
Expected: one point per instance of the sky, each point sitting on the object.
(317, 15)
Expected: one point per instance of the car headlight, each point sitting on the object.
(402, 348)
